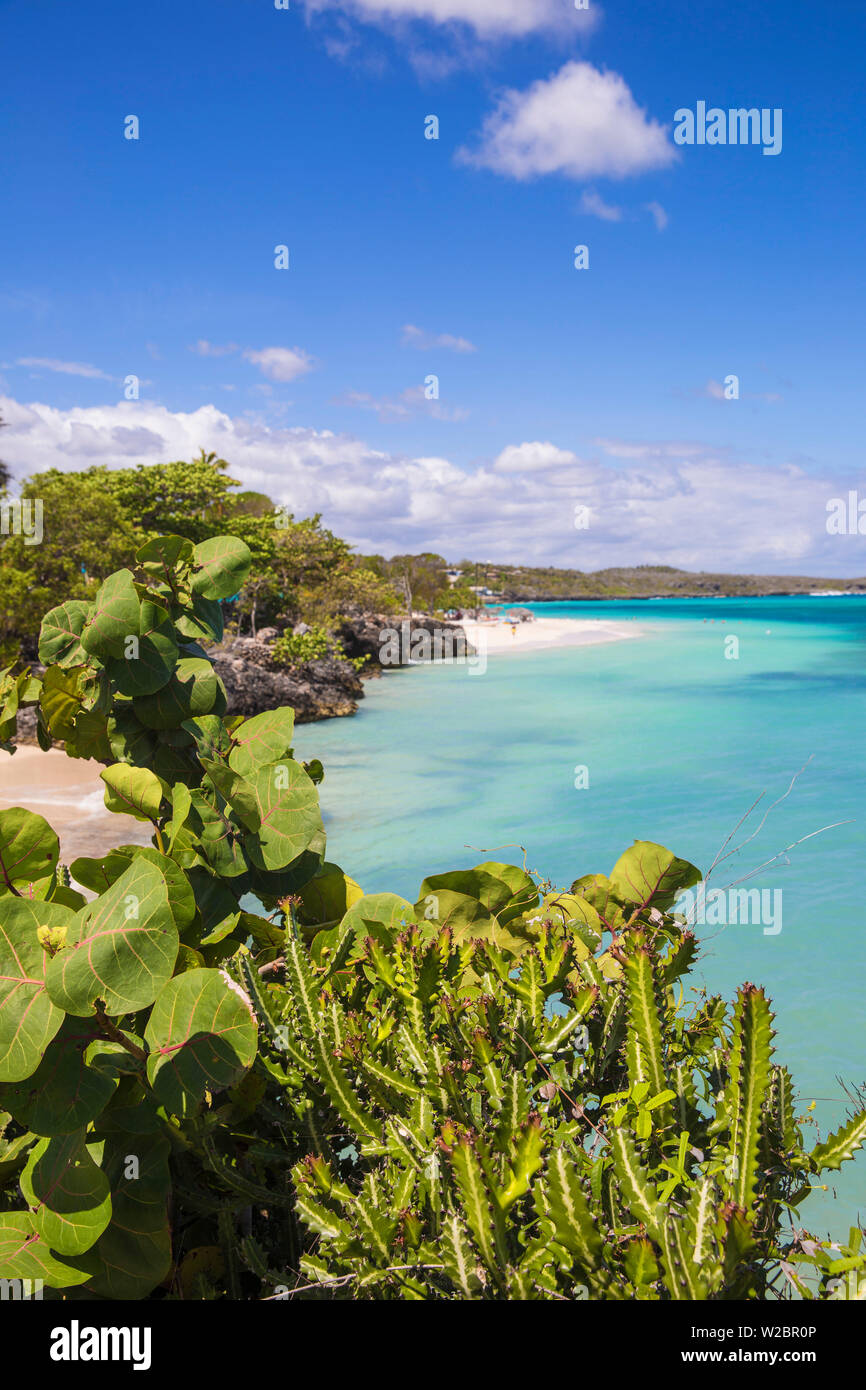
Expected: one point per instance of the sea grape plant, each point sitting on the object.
(225, 1071)
(119, 1021)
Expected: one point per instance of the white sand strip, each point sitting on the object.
(546, 632)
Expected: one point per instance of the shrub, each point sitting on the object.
(493, 1093)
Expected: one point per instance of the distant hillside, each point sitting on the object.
(522, 583)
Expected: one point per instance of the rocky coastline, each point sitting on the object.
(326, 688)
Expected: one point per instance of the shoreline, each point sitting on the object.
(494, 639)
(69, 794)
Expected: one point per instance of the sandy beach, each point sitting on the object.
(497, 638)
(69, 794)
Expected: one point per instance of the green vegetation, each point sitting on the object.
(525, 584)
(94, 522)
(499, 1091)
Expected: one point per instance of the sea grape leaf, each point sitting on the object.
(522, 888)
(148, 664)
(159, 555)
(476, 883)
(263, 739)
(211, 736)
(328, 895)
(122, 948)
(464, 914)
(220, 566)
(288, 807)
(89, 736)
(134, 790)
(29, 848)
(60, 634)
(133, 1254)
(64, 1093)
(203, 622)
(193, 690)
(219, 837)
(202, 1035)
(234, 789)
(270, 887)
(24, 1254)
(28, 1019)
(213, 900)
(129, 740)
(648, 874)
(99, 874)
(115, 616)
(68, 1194)
(60, 700)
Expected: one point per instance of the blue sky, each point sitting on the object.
(453, 257)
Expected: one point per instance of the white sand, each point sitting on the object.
(546, 632)
(68, 792)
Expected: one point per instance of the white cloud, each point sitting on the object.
(491, 18)
(593, 203)
(410, 402)
(579, 122)
(658, 215)
(534, 458)
(281, 364)
(52, 364)
(664, 502)
(418, 338)
(206, 349)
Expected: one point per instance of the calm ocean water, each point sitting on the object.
(440, 769)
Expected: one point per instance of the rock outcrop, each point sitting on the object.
(315, 689)
(364, 637)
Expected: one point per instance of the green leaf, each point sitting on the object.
(60, 700)
(29, 848)
(24, 1254)
(203, 622)
(122, 949)
(161, 554)
(134, 790)
(59, 636)
(115, 616)
(648, 874)
(133, 1254)
(264, 739)
(202, 1035)
(288, 807)
(68, 1194)
(146, 664)
(220, 567)
(28, 1019)
(128, 739)
(64, 1093)
(194, 689)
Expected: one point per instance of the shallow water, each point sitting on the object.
(440, 769)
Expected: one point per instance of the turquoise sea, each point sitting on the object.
(441, 769)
